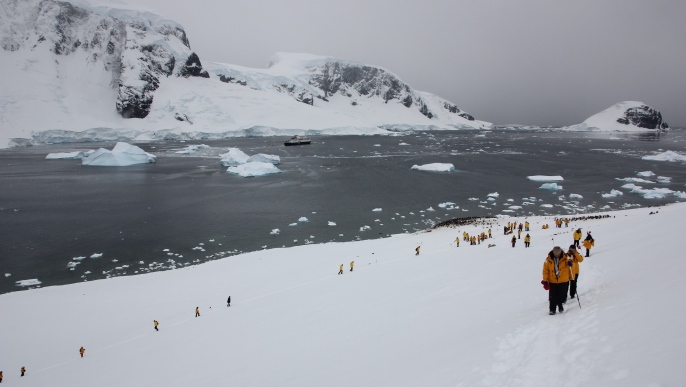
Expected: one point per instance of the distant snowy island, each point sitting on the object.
(75, 73)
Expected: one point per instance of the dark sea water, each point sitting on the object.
(185, 210)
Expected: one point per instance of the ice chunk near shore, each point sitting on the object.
(550, 186)
(664, 179)
(253, 169)
(264, 158)
(635, 180)
(8, 275)
(545, 178)
(655, 193)
(377, 210)
(332, 223)
(275, 231)
(666, 156)
(96, 255)
(493, 195)
(303, 219)
(69, 155)
(28, 282)
(233, 157)
(435, 167)
(645, 174)
(121, 155)
(575, 196)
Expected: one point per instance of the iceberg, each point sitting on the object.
(263, 158)
(28, 282)
(551, 186)
(123, 154)
(435, 167)
(253, 169)
(545, 178)
(233, 157)
(69, 155)
(666, 156)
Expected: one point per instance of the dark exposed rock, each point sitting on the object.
(226, 79)
(299, 95)
(193, 68)
(467, 116)
(644, 117)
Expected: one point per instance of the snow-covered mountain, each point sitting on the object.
(126, 74)
(627, 116)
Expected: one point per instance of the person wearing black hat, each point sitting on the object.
(556, 272)
(588, 243)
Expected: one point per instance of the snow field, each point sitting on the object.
(471, 315)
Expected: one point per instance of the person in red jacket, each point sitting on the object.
(556, 272)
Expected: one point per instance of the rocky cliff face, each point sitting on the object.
(347, 79)
(643, 117)
(136, 48)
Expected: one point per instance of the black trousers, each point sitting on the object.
(576, 243)
(557, 295)
(572, 286)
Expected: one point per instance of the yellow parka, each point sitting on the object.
(576, 258)
(588, 243)
(549, 269)
(352, 263)
(527, 239)
(341, 269)
(577, 235)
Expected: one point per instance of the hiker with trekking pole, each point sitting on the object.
(556, 273)
(576, 258)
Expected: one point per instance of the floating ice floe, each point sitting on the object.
(377, 209)
(78, 258)
(435, 167)
(69, 155)
(635, 180)
(550, 186)
(430, 209)
(8, 275)
(448, 205)
(666, 156)
(645, 174)
(545, 178)
(331, 223)
(303, 219)
(655, 193)
(121, 155)
(254, 169)
(613, 194)
(364, 228)
(96, 255)
(664, 179)
(575, 196)
(293, 224)
(233, 157)
(493, 195)
(72, 264)
(275, 231)
(28, 282)
(190, 149)
(515, 207)
(472, 199)
(547, 205)
(403, 143)
(264, 158)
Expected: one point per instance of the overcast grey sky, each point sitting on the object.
(504, 61)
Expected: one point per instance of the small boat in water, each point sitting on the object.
(298, 140)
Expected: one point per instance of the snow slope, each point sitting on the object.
(467, 316)
(627, 116)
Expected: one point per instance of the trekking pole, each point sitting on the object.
(571, 272)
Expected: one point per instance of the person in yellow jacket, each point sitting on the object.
(527, 240)
(197, 311)
(417, 250)
(576, 258)
(526, 226)
(457, 241)
(23, 370)
(489, 233)
(82, 350)
(340, 270)
(588, 243)
(519, 234)
(352, 263)
(577, 237)
(155, 323)
(556, 275)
